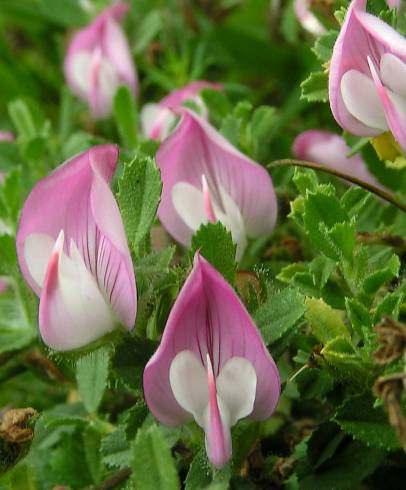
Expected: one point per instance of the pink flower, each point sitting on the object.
(307, 19)
(331, 149)
(395, 4)
(206, 179)
(212, 364)
(6, 136)
(99, 60)
(73, 252)
(157, 120)
(367, 84)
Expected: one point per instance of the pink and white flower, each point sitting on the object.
(331, 150)
(99, 60)
(206, 179)
(157, 120)
(73, 252)
(367, 83)
(212, 365)
(307, 19)
(6, 136)
(395, 4)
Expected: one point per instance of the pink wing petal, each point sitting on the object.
(72, 310)
(394, 106)
(6, 136)
(76, 198)
(189, 91)
(115, 48)
(307, 19)
(350, 52)
(331, 150)
(194, 149)
(84, 41)
(208, 317)
(394, 3)
(104, 81)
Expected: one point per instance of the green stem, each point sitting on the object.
(11, 372)
(116, 479)
(350, 178)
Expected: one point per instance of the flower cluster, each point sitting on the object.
(212, 364)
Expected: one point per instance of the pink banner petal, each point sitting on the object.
(76, 199)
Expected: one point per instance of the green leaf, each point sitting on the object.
(305, 282)
(115, 449)
(217, 104)
(390, 306)
(9, 156)
(77, 143)
(305, 180)
(323, 47)
(379, 277)
(67, 13)
(216, 245)
(151, 461)
(355, 199)
(92, 371)
(202, 476)
(134, 417)
(68, 462)
(325, 322)
(341, 356)
(324, 443)
(279, 313)
(340, 14)
(289, 25)
(321, 268)
(342, 236)
(8, 256)
(91, 446)
(262, 122)
(200, 472)
(358, 315)
(370, 425)
(230, 128)
(322, 211)
(314, 88)
(314, 383)
(139, 195)
(155, 263)
(10, 197)
(64, 415)
(15, 331)
(125, 113)
(348, 467)
(245, 437)
(23, 119)
(129, 360)
(151, 24)
(287, 274)
(22, 478)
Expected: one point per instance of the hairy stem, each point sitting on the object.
(350, 178)
(118, 477)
